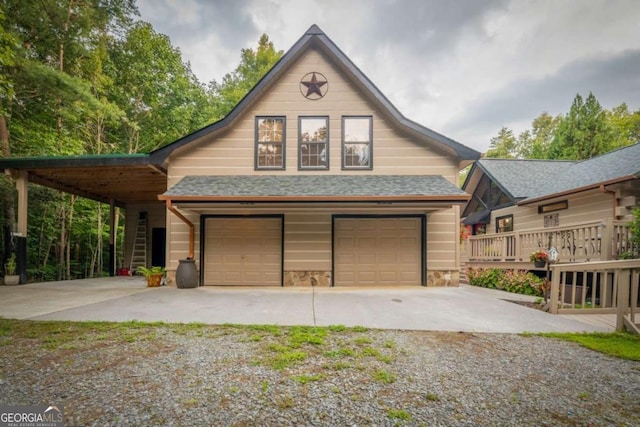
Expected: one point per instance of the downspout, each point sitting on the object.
(186, 221)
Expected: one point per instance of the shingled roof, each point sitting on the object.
(530, 181)
(315, 188)
(314, 36)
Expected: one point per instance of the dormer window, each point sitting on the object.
(357, 142)
(270, 143)
(313, 143)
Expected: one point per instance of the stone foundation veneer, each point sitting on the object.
(443, 278)
(307, 278)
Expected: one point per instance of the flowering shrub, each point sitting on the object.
(539, 255)
(515, 281)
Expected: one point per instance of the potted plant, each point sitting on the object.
(539, 257)
(10, 276)
(154, 275)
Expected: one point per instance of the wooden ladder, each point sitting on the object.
(139, 253)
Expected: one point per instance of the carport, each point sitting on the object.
(119, 180)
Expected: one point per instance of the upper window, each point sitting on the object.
(270, 142)
(357, 141)
(313, 142)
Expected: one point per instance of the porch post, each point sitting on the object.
(22, 179)
(112, 238)
(622, 299)
(606, 234)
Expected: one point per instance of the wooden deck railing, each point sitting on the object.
(604, 287)
(592, 241)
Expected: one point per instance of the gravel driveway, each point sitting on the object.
(195, 375)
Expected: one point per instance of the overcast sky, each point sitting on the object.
(462, 68)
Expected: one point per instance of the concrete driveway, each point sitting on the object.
(465, 308)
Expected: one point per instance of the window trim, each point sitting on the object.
(504, 217)
(370, 142)
(552, 207)
(256, 144)
(326, 142)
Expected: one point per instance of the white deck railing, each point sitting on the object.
(592, 241)
(604, 287)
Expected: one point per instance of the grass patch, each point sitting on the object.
(304, 379)
(399, 414)
(287, 358)
(383, 376)
(618, 344)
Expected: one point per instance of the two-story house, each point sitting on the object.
(314, 178)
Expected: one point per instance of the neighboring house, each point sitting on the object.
(314, 178)
(580, 208)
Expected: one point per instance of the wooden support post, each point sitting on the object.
(555, 294)
(22, 181)
(112, 238)
(606, 232)
(622, 300)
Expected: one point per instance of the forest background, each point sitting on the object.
(88, 77)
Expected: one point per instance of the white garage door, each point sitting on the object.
(243, 251)
(377, 251)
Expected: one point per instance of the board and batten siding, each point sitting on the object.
(308, 235)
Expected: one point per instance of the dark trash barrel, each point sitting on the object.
(187, 274)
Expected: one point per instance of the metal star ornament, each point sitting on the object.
(314, 86)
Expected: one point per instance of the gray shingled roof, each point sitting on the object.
(516, 176)
(314, 186)
(521, 177)
(617, 164)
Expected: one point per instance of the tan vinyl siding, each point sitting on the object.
(307, 241)
(592, 205)
(442, 238)
(232, 153)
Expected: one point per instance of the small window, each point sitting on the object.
(504, 224)
(551, 207)
(313, 142)
(357, 150)
(270, 143)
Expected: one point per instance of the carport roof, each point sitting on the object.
(251, 188)
(121, 178)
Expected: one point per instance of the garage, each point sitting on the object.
(378, 251)
(244, 251)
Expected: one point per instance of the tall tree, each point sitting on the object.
(254, 64)
(504, 145)
(625, 125)
(583, 133)
(160, 95)
(534, 143)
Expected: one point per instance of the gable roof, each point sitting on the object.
(314, 36)
(316, 188)
(620, 165)
(530, 181)
(515, 177)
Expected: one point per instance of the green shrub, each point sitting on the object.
(515, 281)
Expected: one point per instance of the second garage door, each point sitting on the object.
(378, 251)
(243, 251)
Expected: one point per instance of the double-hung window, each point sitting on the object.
(357, 142)
(313, 143)
(270, 142)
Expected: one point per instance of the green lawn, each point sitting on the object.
(618, 344)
